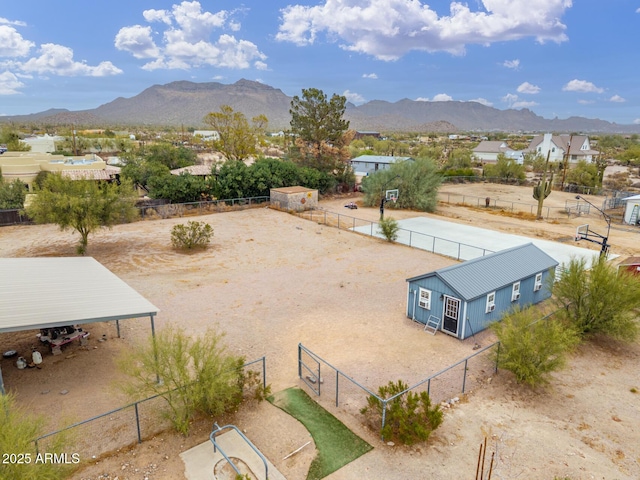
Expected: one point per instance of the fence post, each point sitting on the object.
(299, 361)
(410, 235)
(497, 358)
(464, 377)
(138, 422)
(264, 372)
(384, 417)
(337, 390)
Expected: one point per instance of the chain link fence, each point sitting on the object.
(330, 384)
(129, 424)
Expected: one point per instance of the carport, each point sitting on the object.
(48, 292)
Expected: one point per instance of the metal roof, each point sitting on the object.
(51, 291)
(379, 159)
(482, 275)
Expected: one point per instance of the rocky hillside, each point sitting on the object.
(187, 103)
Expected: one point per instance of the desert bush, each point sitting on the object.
(18, 430)
(532, 349)
(389, 228)
(194, 375)
(191, 235)
(599, 299)
(409, 419)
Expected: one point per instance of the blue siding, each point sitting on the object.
(476, 318)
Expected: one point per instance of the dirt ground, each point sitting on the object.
(271, 280)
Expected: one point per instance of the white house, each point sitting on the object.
(557, 146)
(207, 135)
(488, 150)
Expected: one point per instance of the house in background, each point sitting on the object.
(557, 146)
(368, 164)
(488, 150)
(360, 134)
(464, 299)
(25, 166)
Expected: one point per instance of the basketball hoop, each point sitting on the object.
(392, 199)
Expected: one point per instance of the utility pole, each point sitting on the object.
(566, 158)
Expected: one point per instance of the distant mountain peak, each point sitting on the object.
(186, 103)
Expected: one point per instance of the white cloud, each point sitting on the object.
(4, 21)
(9, 84)
(442, 97)
(526, 87)
(512, 64)
(157, 16)
(353, 97)
(372, 76)
(138, 41)
(636, 121)
(523, 104)
(581, 86)
(515, 102)
(58, 60)
(483, 101)
(186, 41)
(388, 29)
(422, 99)
(617, 99)
(12, 44)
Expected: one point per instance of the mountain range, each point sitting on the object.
(187, 103)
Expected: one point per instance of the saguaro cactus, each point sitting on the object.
(543, 189)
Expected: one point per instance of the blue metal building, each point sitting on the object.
(464, 299)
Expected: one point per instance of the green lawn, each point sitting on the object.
(336, 444)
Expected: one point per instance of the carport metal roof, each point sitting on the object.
(50, 292)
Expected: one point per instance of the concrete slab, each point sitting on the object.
(466, 242)
(200, 461)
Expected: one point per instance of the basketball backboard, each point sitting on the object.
(582, 232)
(392, 195)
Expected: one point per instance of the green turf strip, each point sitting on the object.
(336, 444)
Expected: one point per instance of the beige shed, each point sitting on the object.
(294, 198)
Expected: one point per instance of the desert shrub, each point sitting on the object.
(410, 418)
(18, 430)
(191, 235)
(532, 349)
(600, 299)
(389, 228)
(196, 375)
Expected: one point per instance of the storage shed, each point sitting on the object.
(631, 264)
(632, 210)
(466, 298)
(294, 198)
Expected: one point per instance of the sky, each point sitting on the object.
(558, 58)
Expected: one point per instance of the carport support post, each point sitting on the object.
(118, 327)
(155, 347)
(2, 392)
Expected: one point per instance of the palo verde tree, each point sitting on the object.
(599, 300)
(322, 133)
(418, 181)
(198, 375)
(532, 348)
(82, 205)
(237, 139)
